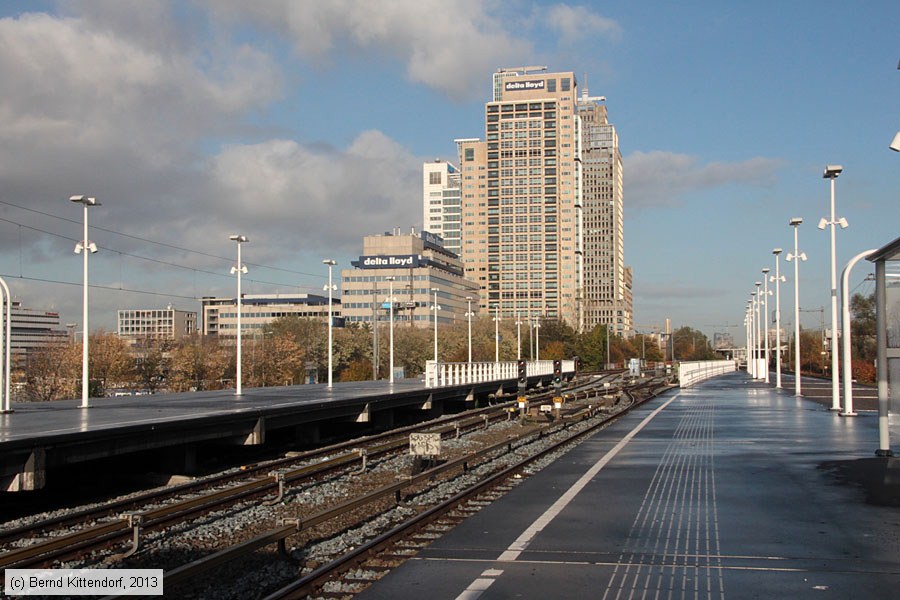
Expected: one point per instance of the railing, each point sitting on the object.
(690, 373)
(444, 374)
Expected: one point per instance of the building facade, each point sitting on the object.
(31, 329)
(541, 233)
(168, 324)
(258, 310)
(606, 296)
(441, 203)
(417, 263)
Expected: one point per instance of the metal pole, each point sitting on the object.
(765, 273)
(777, 252)
(469, 314)
(497, 333)
(518, 337)
(835, 376)
(435, 307)
(797, 257)
(330, 264)
(759, 375)
(238, 390)
(391, 325)
(845, 321)
(6, 404)
(85, 382)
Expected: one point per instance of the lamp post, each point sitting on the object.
(238, 270)
(469, 316)
(518, 337)
(496, 333)
(330, 287)
(752, 308)
(85, 247)
(6, 404)
(832, 172)
(390, 279)
(765, 322)
(777, 278)
(797, 256)
(537, 339)
(435, 308)
(747, 326)
(759, 301)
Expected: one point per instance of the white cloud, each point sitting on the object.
(660, 178)
(578, 22)
(316, 197)
(446, 47)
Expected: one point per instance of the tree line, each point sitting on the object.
(284, 351)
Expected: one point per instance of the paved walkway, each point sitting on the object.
(728, 490)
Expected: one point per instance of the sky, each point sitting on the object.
(304, 126)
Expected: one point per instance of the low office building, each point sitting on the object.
(415, 264)
(258, 310)
(167, 324)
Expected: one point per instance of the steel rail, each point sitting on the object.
(220, 557)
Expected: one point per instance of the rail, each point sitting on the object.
(691, 373)
(440, 374)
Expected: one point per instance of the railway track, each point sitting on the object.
(126, 532)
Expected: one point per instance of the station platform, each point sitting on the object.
(38, 437)
(730, 489)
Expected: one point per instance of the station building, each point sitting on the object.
(417, 264)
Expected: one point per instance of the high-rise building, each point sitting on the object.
(441, 203)
(606, 297)
(534, 245)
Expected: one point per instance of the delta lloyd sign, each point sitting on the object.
(516, 86)
(405, 261)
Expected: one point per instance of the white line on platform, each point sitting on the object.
(518, 546)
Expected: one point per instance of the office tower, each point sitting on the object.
(525, 240)
(606, 296)
(441, 203)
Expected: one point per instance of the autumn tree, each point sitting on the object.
(151, 365)
(111, 363)
(53, 372)
(198, 362)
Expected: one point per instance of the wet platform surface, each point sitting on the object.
(730, 489)
(32, 420)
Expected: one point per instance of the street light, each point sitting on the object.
(85, 247)
(239, 269)
(777, 278)
(435, 308)
(759, 301)
(390, 279)
(496, 333)
(469, 315)
(6, 404)
(537, 339)
(797, 256)
(330, 287)
(766, 292)
(832, 172)
(518, 337)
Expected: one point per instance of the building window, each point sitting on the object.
(551, 85)
(434, 178)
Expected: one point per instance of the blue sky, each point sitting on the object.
(303, 125)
